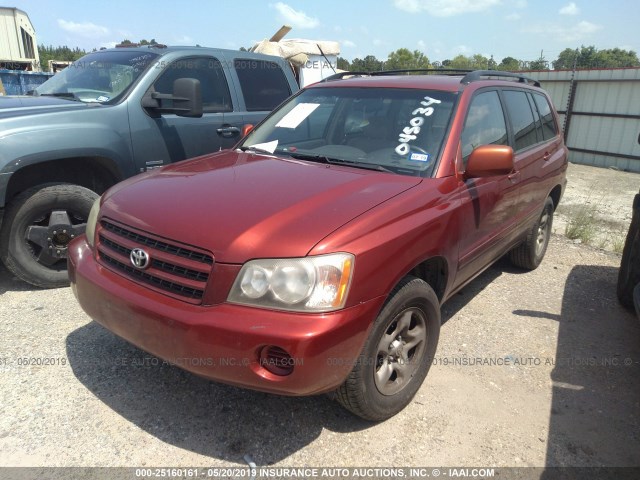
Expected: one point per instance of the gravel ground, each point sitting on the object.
(598, 200)
(533, 369)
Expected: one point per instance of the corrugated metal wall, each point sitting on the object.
(11, 45)
(600, 112)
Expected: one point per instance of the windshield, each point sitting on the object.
(97, 77)
(387, 129)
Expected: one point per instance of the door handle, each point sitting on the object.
(546, 156)
(514, 177)
(228, 132)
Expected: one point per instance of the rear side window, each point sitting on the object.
(522, 120)
(484, 124)
(264, 85)
(549, 128)
(215, 91)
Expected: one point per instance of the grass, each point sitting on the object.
(618, 241)
(582, 225)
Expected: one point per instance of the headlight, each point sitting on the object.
(310, 284)
(90, 231)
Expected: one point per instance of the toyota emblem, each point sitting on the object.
(139, 258)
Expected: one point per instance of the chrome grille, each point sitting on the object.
(177, 270)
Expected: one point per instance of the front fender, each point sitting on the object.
(398, 235)
(23, 148)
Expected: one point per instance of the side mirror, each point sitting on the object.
(489, 160)
(246, 129)
(187, 97)
(185, 101)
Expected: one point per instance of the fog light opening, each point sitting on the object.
(276, 360)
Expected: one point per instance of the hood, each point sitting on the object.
(13, 106)
(241, 206)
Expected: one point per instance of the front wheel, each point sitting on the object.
(530, 253)
(397, 354)
(37, 228)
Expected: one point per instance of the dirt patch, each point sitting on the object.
(596, 207)
(535, 369)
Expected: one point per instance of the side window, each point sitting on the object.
(27, 42)
(536, 116)
(522, 121)
(264, 85)
(549, 128)
(215, 91)
(484, 124)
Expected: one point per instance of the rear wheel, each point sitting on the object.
(37, 228)
(530, 253)
(397, 354)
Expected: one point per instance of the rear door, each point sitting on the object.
(262, 86)
(161, 139)
(535, 143)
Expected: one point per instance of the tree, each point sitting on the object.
(129, 43)
(590, 57)
(404, 59)
(480, 62)
(63, 53)
(570, 58)
(540, 63)
(509, 64)
(459, 62)
(367, 64)
(343, 64)
(617, 58)
(476, 62)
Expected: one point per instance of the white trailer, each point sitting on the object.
(312, 60)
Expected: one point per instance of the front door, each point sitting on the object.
(488, 204)
(162, 139)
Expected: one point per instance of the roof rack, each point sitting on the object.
(478, 74)
(439, 71)
(341, 75)
(469, 75)
(137, 45)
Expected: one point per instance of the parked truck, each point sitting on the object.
(108, 116)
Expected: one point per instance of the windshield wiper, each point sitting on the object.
(340, 161)
(68, 95)
(256, 150)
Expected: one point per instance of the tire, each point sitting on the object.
(530, 253)
(629, 273)
(38, 225)
(375, 389)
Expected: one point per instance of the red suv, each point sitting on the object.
(314, 256)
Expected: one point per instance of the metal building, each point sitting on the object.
(18, 46)
(600, 114)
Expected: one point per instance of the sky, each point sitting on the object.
(441, 29)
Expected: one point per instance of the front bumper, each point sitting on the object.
(223, 342)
